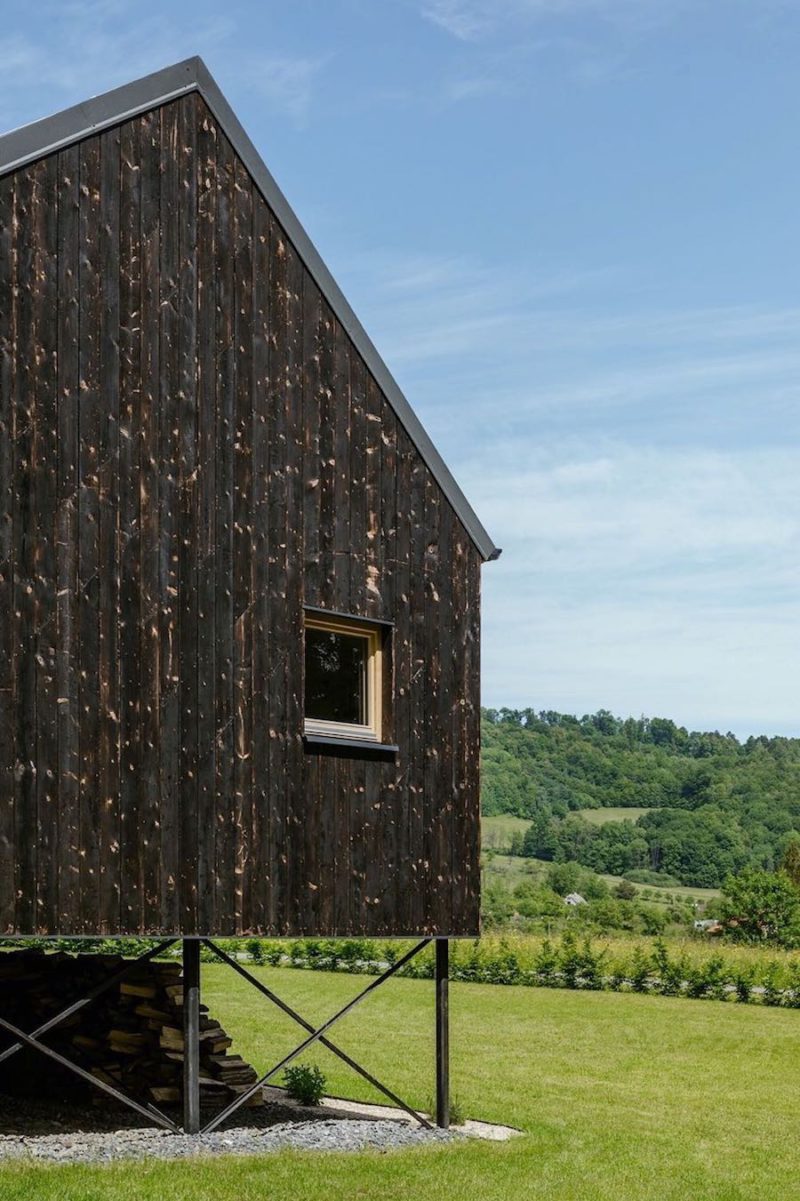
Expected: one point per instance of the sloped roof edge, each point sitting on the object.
(33, 141)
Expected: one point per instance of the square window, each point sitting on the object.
(343, 678)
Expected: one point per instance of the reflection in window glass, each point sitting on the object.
(336, 668)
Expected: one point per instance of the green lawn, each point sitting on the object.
(622, 1098)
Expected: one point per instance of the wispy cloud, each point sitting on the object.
(472, 20)
(478, 87)
(667, 576)
(104, 42)
(17, 56)
(286, 83)
(545, 350)
(638, 467)
(633, 508)
(461, 18)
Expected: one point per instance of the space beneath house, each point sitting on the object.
(130, 1038)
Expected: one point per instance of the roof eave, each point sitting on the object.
(43, 137)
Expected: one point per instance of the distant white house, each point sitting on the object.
(574, 898)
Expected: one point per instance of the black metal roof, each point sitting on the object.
(33, 141)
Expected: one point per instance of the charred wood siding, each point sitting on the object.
(191, 450)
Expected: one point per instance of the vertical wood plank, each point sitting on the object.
(223, 611)
(469, 920)
(309, 418)
(242, 548)
(308, 430)
(172, 218)
(150, 828)
(326, 448)
(342, 548)
(418, 861)
(403, 692)
(90, 417)
(25, 831)
(188, 546)
(441, 590)
(278, 516)
(207, 460)
(8, 368)
(295, 557)
(374, 551)
(45, 469)
(68, 667)
(261, 859)
(459, 847)
(358, 486)
(108, 775)
(129, 550)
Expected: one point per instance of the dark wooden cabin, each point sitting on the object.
(239, 589)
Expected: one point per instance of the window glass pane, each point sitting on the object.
(336, 672)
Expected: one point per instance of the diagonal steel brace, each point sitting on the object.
(313, 1037)
(325, 1042)
(149, 1111)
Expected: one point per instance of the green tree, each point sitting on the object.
(563, 878)
(715, 805)
(516, 846)
(762, 906)
(790, 863)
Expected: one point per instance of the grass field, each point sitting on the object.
(497, 832)
(621, 946)
(622, 1098)
(599, 817)
(513, 868)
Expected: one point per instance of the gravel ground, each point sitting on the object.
(62, 1116)
(105, 1146)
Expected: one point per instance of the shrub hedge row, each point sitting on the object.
(563, 963)
(566, 962)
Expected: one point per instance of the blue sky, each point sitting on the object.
(571, 228)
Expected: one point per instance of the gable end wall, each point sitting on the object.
(190, 450)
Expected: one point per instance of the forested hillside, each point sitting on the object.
(717, 804)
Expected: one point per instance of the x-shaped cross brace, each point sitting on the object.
(314, 1035)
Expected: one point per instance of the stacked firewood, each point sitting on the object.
(131, 1036)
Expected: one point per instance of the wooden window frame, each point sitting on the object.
(372, 731)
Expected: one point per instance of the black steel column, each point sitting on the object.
(191, 1035)
(442, 1033)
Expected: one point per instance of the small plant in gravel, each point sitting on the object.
(457, 1115)
(305, 1083)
